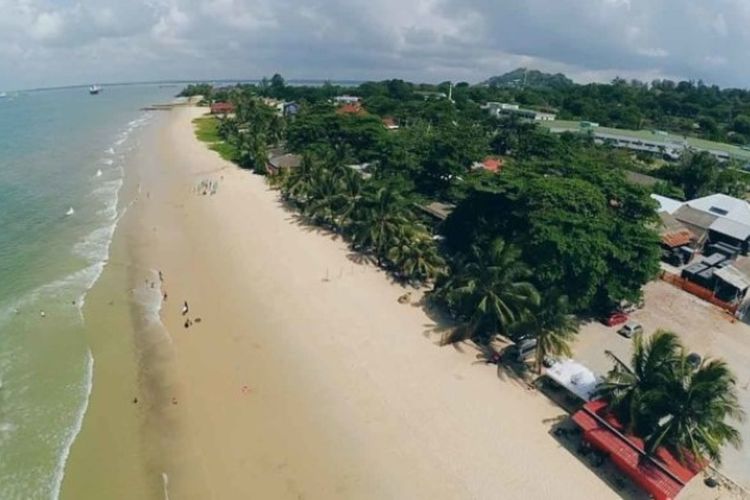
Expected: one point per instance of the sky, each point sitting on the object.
(65, 42)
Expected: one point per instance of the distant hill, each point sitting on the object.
(523, 77)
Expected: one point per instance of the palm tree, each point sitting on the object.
(490, 290)
(300, 180)
(378, 218)
(627, 387)
(349, 194)
(415, 255)
(552, 325)
(669, 402)
(692, 409)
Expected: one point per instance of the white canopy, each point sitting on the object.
(574, 377)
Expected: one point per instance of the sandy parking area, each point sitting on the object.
(704, 329)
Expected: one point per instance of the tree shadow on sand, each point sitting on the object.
(443, 329)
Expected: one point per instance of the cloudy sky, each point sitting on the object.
(61, 42)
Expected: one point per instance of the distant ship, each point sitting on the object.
(94, 89)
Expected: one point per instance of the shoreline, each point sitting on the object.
(305, 377)
(290, 388)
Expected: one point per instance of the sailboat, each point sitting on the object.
(94, 89)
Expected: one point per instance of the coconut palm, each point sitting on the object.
(415, 255)
(490, 290)
(299, 182)
(628, 387)
(551, 324)
(666, 400)
(349, 194)
(692, 410)
(378, 219)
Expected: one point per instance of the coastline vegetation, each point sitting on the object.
(207, 130)
(558, 235)
(561, 212)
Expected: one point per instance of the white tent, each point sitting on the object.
(574, 377)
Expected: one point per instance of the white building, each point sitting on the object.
(346, 99)
(497, 109)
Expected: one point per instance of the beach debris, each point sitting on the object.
(165, 296)
(405, 298)
(42, 314)
(188, 323)
(246, 390)
(185, 308)
(135, 401)
(197, 320)
(174, 400)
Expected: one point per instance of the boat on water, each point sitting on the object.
(94, 89)
(70, 211)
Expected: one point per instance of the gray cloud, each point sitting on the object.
(55, 42)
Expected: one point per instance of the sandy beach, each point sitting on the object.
(302, 376)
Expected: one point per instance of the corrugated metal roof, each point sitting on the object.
(677, 238)
(661, 475)
(695, 217)
(726, 206)
(731, 228)
(668, 205)
(733, 276)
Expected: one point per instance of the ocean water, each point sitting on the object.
(62, 164)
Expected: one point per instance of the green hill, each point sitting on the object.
(523, 77)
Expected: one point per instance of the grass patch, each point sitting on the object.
(207, 130)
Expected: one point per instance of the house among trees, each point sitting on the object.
(222, 108)
(354, 108)
(389, 123)
(498, 109)
(282, 161)
(492, 164)
(346, 99)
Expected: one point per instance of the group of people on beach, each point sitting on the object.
(207, 186)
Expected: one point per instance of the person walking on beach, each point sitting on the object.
(185, 308)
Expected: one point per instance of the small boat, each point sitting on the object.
(94, 89)
(99, 172)
(70, 211)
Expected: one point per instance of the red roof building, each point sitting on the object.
(222, 108)
(678, 238)
(389, 122)
(662, 476)
(492, 164)
(351, 108)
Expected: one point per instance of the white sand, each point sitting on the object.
(306, 378)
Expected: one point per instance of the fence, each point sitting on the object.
(698, 291)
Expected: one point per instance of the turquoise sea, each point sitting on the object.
(62, 161)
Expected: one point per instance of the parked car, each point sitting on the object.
(615, 318)
(523, 349)
(630, 328)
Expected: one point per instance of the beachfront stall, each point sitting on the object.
(662, 476)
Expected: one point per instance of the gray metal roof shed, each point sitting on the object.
(734, 277)
(731, 228)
